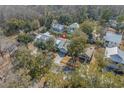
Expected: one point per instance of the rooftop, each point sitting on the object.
(44, 36)
(113, 37)
(58, 27)
(89, 51)
(115, 54)
(62, 44)
(74, 25)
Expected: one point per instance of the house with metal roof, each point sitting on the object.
(115, 54)
(112, 39)
(43, 37)
(73, 27)
(57, 27)
(113, 23)
(87, 55)
(62, 44)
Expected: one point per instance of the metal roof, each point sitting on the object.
(113, 37)
(58, 27)
(62, 44)
(44, 36)
(115, 54)
(74, 25)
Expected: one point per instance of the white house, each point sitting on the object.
(115, 54)
(73, 27)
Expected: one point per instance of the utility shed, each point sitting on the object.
(112, 39)
(115, 54)
(87, 55)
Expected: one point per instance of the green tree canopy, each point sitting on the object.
(120, 18)
(25, 38)
(46, 45)
(88, 26)
(37, 65)
(78, 43)
(65, 19)
(106, 14)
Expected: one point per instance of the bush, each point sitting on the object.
(25, 38)
(40, 45)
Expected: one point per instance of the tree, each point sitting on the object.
(78, 43)
(88, 76)
(106, 14)
(46, 45)
(94, 12)
(46, 20)
(25, 38)
(37, 65)
(120, 18)
(75, 81)
(83, 14)
(65, 19)
(99, 57)
(22, 80)
(14, 25)
(40, 45)
(50, 44)
(56, 80)
(35, 24)
(80, 15)
(87, 26)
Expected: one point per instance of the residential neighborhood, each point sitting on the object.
(62, 47)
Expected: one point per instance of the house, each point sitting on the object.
(116, 69)
(114, 54)
(73, 27)
(57, 27)
(113, 23)
(43, 37)
(112, 39)
(87, 55)
(62, 44)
